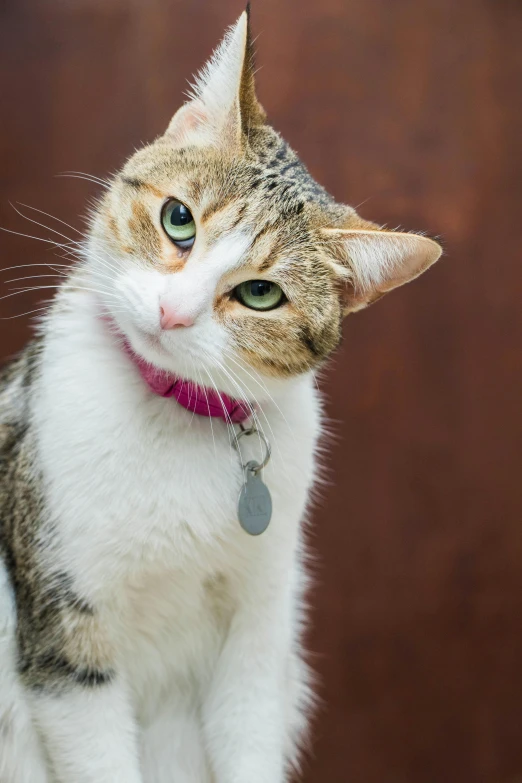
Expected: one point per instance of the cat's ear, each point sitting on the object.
(372, 262)
(223, 104)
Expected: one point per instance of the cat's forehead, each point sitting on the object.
(267, 180)
(281, 171)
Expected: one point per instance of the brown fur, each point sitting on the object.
(146, 238)
(59, 634)
(258, 186)
(267, 188)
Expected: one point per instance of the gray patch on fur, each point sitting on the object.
(43, 599)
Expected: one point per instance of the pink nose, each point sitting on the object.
(171, 318)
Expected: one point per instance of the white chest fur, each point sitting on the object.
(145, 497)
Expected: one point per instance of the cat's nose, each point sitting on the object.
(171, 318)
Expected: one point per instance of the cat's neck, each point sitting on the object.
(84, 356)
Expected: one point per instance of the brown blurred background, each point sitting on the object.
(412, 108)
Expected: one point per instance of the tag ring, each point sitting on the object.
(262, 438)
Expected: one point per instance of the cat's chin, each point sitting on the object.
(149, 347)
(191, 364)
(182, 363)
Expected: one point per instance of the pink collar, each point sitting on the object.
(197, 399)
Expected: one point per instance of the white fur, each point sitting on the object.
(205, 619)
(217, 83)
(382, 260)
(21, 756)
(214, 96)
(133, 300)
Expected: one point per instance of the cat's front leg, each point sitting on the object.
(246, 711)
(77, 696)
(88, 732)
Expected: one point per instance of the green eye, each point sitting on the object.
(260, 294)
(178, 223)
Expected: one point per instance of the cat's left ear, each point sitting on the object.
(372, 262)
(223, 105)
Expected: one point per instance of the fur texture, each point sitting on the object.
(144, 637)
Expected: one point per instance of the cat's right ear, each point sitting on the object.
(223, 104)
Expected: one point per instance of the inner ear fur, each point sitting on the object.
(223, 105)
(371, 262)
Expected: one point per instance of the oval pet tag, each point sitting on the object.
(254, 508)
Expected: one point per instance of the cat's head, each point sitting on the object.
(219, 252)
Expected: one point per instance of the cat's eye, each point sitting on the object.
(259, 294)
(178, 223)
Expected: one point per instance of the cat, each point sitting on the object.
(145, 635)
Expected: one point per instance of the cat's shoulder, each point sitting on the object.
(17, 378)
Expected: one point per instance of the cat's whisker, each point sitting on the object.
(104, 260)
(42, 225)
(81, 175)
(84, 256)
(22, 315)
(273, 440)
(30, 236)
(208, 406)
(80, 251)
(18, 291)
(192, 385)
(89, 282)
(103, 273)
(27, 289)
(105, 292)
(228, 420)
(255, 417)
(67, 247)
(72, 247)
(23, 266)
(259, 380)
(66, 255)
(101, 180)
(33, 277)
(244, 397)
(225, 412)
(239, 381)
(53, 217)
(106, 267)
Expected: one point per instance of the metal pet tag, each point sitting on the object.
(254, 508)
